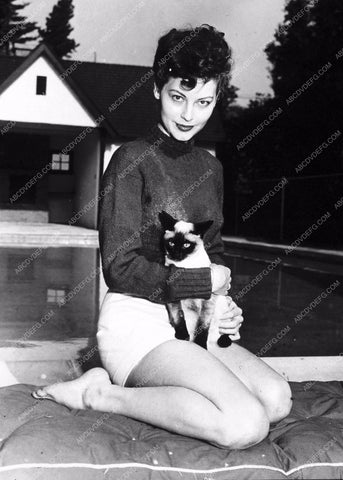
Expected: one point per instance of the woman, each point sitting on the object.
(188, 390)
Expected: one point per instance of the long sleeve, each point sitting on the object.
(121, 226)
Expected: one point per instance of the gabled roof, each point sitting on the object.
(99, 85)
(24, 63)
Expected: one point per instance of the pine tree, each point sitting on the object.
(309, 39)
(310, 42)
(292, 53)
(58, 28)
(14, 28)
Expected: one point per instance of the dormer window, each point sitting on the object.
(40, 85)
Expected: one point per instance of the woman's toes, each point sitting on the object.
(71, 393)
(40, 394)
(47, 393)
(44, 393)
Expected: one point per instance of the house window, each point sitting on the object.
(40, 85)
(60, 162)
(56, 296)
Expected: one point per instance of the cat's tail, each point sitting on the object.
(224, 341)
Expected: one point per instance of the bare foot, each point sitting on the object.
(77, 393)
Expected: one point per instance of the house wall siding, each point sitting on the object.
(60, 105)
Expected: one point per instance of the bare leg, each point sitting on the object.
(176, 409)
(138, 403)
(191, 393)
(268, 386)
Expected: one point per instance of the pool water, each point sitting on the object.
(53, 294)
(48, 293)
(290, 310)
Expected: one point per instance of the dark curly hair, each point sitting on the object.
(190, 54)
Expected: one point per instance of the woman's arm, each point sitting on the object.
(120, 227)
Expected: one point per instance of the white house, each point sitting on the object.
(60, 122)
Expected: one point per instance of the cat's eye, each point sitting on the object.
(186, 245)
(171, 243)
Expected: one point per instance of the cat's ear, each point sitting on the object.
(202, 227)
(167, 221)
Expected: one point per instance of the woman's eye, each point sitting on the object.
(204, 103)
(177, 98)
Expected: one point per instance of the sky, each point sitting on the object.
(127, 31)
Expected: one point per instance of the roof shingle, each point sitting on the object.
(104, 83)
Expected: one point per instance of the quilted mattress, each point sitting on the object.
(43, 440)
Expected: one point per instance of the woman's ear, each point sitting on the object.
(156, 92)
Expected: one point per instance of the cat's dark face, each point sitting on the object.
(178, 245)
(181, 238)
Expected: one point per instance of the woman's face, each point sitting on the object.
(185, 112)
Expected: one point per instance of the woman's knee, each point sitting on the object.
(243, 429)
(277, 399)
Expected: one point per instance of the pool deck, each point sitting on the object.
(26, 235)
(330, 255)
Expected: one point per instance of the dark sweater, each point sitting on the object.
(144, 177)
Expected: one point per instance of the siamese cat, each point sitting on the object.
(184, 247)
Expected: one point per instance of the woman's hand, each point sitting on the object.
(221, 279)
(231, 321)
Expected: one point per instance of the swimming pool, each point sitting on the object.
(48, 293)
(291, 307)
(53, 294)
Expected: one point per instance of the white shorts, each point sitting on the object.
(128, 329)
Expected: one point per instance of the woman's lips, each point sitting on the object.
(184, 128)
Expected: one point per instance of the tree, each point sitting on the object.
(291, 53)
(14, 28)
(306, 70)
(227, 98)
(58, 28)
(309, 39)
(306, 56)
